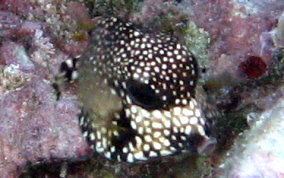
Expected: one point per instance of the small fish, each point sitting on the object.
(137, 88)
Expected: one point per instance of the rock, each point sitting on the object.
(258, 152)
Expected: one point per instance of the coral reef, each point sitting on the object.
(35, 127)
(235, 30)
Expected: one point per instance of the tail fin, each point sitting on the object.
(67, 73)
(68, 70)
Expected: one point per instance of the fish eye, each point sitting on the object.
(143, 95)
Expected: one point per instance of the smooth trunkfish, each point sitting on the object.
(137, 88)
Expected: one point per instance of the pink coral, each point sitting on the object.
(235, 32)
(34, 127)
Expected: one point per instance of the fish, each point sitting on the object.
(138, 93)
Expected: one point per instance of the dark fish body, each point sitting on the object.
(138, 91)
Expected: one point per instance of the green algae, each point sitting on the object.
(198, 41)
